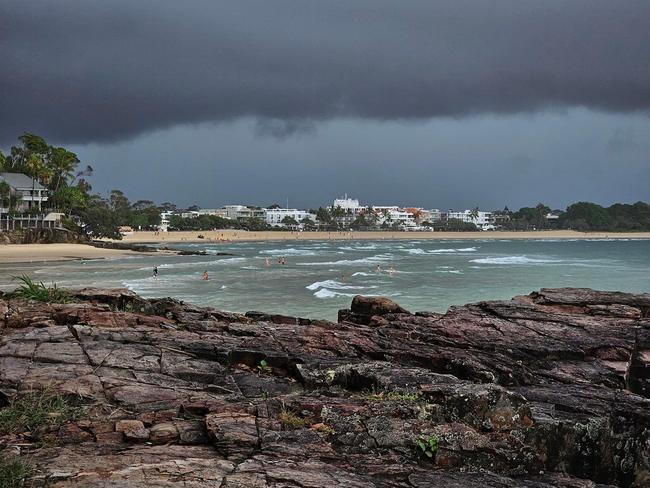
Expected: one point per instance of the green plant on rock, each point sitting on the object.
(28, 412)
(13, 472)
(264, 367)
(427, 445)
(37, 291)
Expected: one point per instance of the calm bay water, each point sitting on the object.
(321, 276)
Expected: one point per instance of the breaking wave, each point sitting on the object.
(515, 260)
(291, 251)
(441, 251)
(379, 258)
(327, 293)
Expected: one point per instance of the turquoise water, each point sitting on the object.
(322, 276)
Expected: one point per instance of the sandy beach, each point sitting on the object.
(32, 253)
(241, 235)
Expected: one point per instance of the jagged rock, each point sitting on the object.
(132, 429)
(513, 392)
(366, 309)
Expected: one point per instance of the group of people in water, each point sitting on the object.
(282, 262)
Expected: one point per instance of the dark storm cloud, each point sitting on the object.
(80, 71)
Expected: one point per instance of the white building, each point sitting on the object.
(482, 220)
(436, 214)
(348, 204)
(165, 218)
(405, 220)
(275, 216)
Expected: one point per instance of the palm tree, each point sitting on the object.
(62, 164)
(35, 167)
(473, 214)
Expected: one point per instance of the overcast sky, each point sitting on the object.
(452, 103)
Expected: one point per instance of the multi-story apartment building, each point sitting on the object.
(482, 220)
(275, 216)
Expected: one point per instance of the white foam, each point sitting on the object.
(337, 285)
(418, 251)
(514, 260)
(291, 251)
(379, 258)
(370, 247)
(327, 293)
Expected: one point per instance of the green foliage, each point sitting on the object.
(13, 471)
(69, 199)
(28, 412)
(427, 445)
(99, 220)
(587, 216)
(264, 367)
(454, 225)
(31, 290)
(290, 221)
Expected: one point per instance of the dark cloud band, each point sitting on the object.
(80, 71)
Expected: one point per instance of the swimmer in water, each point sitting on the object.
(205, 276)
(391, 271)
(267, 262)
(378, 269)
(155, 271)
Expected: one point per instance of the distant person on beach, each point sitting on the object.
(205, 276)
(155, 271)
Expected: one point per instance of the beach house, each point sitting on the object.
(24, 192)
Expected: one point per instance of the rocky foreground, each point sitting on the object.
(546, 390)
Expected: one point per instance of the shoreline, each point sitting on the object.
(59, 252)
(229, 235)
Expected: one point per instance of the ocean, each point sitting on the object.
(320, 277)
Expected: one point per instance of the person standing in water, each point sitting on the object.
(205, 276)
(267, 262)
(391, 271)
(155, 271)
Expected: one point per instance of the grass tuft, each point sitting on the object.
(291, 421)
(37, 291)
(392, 395)
(28, 412)
(13, 472)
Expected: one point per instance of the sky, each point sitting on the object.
(446, 104)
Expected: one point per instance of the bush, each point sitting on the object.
(31, 290)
